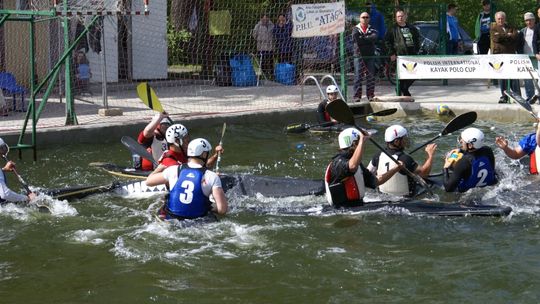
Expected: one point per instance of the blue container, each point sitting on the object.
(285, 73)
(243, 74)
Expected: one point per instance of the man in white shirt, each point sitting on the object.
(528, 43)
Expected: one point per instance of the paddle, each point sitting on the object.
(150, 99)
(220, 143)
(341, 112)
(302, 127)
(455, 124)
(136, 148)
(522, 102)
(19, 177)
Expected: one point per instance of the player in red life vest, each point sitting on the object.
(322, 116)
(528, 145)
(191, 185)
(177, 138)
(153, 139)
(346, 178)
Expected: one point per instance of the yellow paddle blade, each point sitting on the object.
(149, 97)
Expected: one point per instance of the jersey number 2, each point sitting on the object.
(187, 196)
(482, 175)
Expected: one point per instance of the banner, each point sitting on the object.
(501, 66)
(322, 19)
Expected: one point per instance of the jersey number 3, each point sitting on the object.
(187, 196)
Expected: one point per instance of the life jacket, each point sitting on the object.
(179, 158)
(534, 160)
(482, 174)
(156, 149)
(397, 184)
(186, 199)
(348, 192)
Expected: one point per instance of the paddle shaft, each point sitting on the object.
(220, 143)
(455, 124)
(136, 148)
(19, 177)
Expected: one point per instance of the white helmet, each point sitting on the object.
(198, 146)
(4, 148)
(473, 136)
(331, 89)
(394, 132)
(347, 137)
(175, 134)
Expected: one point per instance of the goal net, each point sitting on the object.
(201, 56)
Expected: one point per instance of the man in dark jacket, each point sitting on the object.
(402, 39)
(529, 44)
(364, 38)
(504, 40)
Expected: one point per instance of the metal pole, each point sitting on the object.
(71, 118)
(32, 86)
(103, 67)
(342, 64)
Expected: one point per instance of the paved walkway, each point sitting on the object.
(212, 101)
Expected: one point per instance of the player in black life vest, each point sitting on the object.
(346, 178)
(470, 166)
(332, 93)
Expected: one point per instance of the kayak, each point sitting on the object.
(239, 184)
(413, 207)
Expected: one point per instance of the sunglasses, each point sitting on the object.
(364, 17)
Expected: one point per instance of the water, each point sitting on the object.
(110, 249)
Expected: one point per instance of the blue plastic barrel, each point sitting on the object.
(285, 73)
(243, 73)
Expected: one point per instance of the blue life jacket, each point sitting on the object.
(482, 174)
(186, 199)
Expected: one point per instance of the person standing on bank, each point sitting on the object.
(190, 185)
(504, 40)
(529, 43)
(481, 29)
(365, 39)
(346, 178)
(262, 32)
(282, 36)
(397, 139)
(452, 28)
(402, 39)
(470, 166)
(6, 194)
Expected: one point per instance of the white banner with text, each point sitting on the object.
(501, 66)
(321, 19)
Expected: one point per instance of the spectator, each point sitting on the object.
(402, 39)
(481, 29)
(452, 28)
(83, 75)
(364, 39)
(262, 32)
(376, 20)
(529, 44)
(282, 36)
(504, 39)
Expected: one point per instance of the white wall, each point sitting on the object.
(149, 42)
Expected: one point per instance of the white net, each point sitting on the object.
(200, 56)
